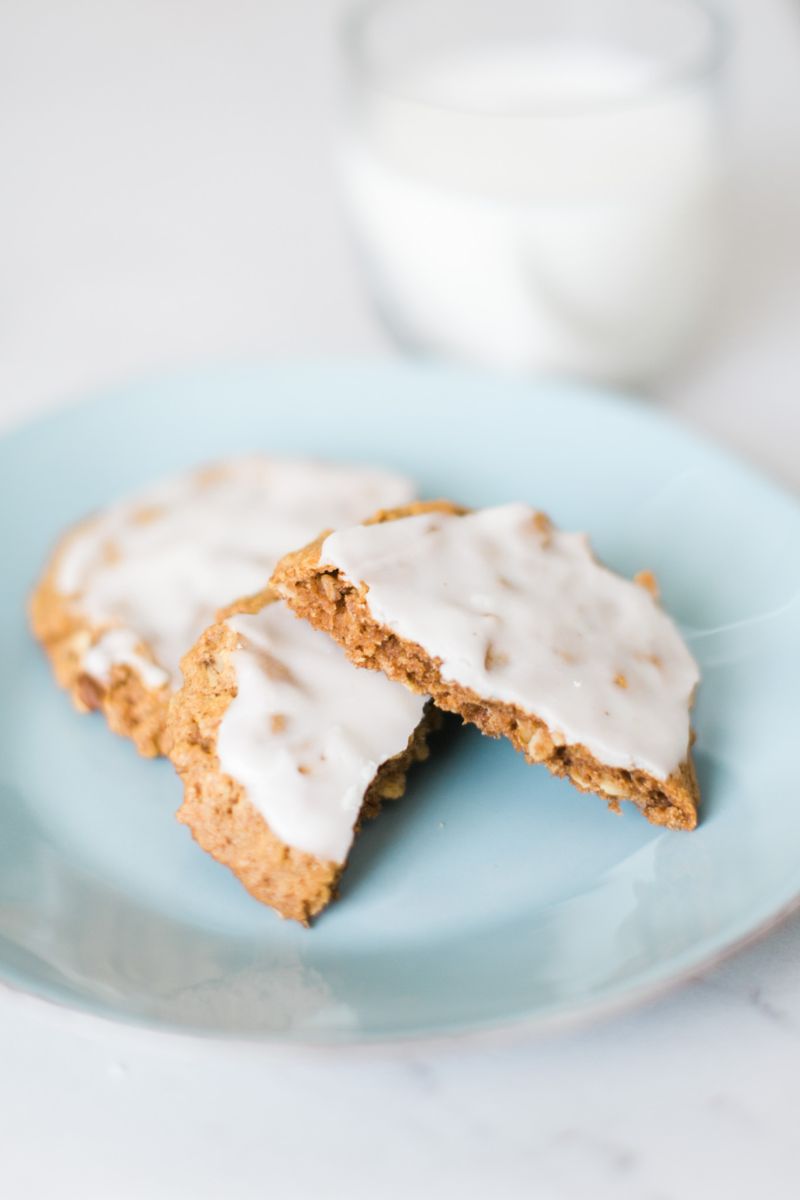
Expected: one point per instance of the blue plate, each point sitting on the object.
(493, 893)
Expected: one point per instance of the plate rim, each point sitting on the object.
(562, 1020)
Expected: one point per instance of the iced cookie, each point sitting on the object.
(517, 627)
(283, 749)
(129, 590)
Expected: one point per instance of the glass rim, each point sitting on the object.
(685, 71)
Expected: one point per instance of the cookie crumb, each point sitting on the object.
(648, 581)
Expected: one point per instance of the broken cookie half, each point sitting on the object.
(283, 750)
(515, 625)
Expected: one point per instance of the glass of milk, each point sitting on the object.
(534, 184)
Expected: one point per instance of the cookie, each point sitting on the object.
(283, 749)
(128, 591)
(518, 628)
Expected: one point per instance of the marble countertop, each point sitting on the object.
(132, 241)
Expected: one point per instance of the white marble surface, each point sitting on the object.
(166, 196)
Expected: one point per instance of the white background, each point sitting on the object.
(167, 196)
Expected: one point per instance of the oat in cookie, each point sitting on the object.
(283, 748)
(129, 590)
(517, 627)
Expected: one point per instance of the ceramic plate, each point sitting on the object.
(492, 893)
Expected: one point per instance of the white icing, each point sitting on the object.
(531, 618)
(121, 646)
(157, 566)
(306, 732)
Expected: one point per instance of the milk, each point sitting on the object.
(548, 207)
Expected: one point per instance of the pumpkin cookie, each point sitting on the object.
(128, 591)
(517, 627)
(283, 749)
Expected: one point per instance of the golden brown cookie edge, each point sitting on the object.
(131, 708)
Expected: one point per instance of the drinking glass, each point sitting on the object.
(537, 186)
